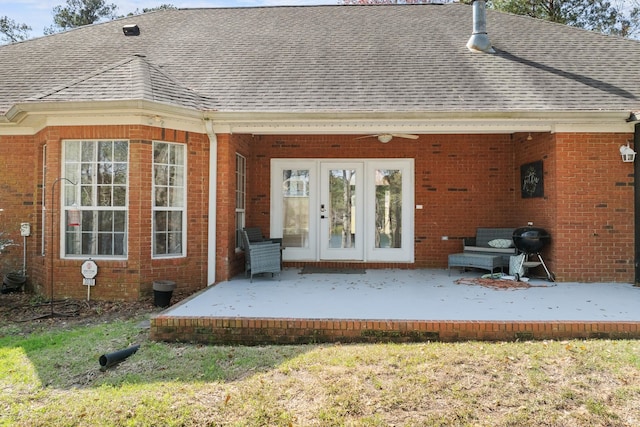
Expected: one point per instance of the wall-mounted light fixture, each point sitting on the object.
(627, 153)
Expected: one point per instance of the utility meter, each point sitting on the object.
(25, 229)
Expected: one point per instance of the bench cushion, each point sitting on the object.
(489, 250)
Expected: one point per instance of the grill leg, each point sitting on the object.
(549, 275)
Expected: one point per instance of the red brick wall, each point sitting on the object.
(470, 181)
(228, 262)
(20, 199)
(594, 231)
(462, 182)
(117, 280)
(587, 205)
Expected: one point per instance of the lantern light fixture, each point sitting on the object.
(627, 153)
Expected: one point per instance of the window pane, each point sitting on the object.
(72, 151)
(88, 150)
(105, 244)
(119, 243)
(160, 175)
(295, 192)
(69, 194)
(105, 171)
(342, 208)
(119, 195)
(177, 156)
(87, 243)
(176, 197)
(105, 221)
(120, 221)
(388, 219)
(119, 173)
(86, 169)
(72, 172)
(160, 153)
(121, 151)
(105, 151)
(161, 197)
(176, 176)
(86, 196)
(175, 223)
(104, 195)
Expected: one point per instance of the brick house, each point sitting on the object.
(364, 135)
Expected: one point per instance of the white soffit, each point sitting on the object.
(426, 123)
(30, 118)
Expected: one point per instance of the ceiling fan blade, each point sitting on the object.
(366, 136)
(405, 135)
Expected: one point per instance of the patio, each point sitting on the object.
(397, 305)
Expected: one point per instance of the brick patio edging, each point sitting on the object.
(258, 331)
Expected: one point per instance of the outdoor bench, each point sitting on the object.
(491, 248)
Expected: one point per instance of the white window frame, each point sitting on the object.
(241, 198)
(70, 198)
(178, 207)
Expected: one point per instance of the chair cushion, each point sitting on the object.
(501, 243)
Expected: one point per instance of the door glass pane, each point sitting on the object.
(295, 199)
(342, 208)
(388, 221)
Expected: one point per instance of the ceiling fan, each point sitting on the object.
(386, 137)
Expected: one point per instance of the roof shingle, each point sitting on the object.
(328, 59)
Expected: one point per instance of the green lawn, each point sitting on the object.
(52, 378)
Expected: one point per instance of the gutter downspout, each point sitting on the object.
(479, 40)
(213, 193)
(636, 205)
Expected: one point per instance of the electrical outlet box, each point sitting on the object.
(25, 229)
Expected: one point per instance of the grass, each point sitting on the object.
(52, 378)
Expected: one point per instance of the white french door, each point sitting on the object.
(341, 211)
(349, 210)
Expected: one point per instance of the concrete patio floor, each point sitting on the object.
(397, 305)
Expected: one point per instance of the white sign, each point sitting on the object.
(89, 269)
(89, 282)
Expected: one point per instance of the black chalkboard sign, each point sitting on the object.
(531, 180)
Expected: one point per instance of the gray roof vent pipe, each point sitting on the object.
(479, 40)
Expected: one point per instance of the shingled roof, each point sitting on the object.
(409, 58)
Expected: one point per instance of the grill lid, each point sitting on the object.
(530, 239)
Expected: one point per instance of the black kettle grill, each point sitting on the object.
(530, 241)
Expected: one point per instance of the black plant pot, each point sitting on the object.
(162, 292)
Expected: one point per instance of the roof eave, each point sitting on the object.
(428, 122)
(30, 117)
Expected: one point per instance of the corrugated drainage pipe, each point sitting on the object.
(110, 359)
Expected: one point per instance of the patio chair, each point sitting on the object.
(255, 235)
(261, 257)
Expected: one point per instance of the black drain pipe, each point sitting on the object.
(636, 204)
(110, 359)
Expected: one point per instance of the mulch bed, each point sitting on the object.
(27, 312)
